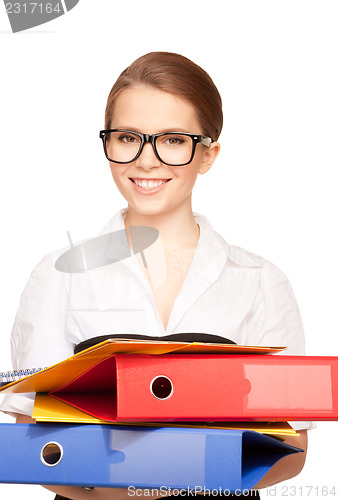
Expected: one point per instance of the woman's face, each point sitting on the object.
(149, 186)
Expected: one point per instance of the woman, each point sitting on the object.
(163, 120)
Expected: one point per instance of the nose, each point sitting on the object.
(147, 159)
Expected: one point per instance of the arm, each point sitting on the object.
(39, 335)
(289, 466)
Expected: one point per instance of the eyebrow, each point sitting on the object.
(169, 130)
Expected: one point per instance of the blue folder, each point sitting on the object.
(144, 457)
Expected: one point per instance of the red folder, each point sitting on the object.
(194, 387)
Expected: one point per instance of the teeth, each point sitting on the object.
(143, 183)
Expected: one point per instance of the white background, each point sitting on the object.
(272, 191)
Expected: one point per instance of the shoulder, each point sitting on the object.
(245, 258)
(63, 260)
(238, 256)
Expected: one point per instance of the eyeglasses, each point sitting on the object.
(171, 148)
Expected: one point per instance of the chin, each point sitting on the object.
(149, 212)
(151, 209)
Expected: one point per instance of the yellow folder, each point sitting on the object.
(48, 409)
(50, 379)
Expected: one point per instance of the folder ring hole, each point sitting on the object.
(161, 387)
(51, 454)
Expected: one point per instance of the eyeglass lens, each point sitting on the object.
(174, 149)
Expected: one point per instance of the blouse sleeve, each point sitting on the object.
(281, 323)
(38, 336)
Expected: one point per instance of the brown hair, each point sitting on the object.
(177, 75)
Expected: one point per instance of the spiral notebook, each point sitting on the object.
(15, 375)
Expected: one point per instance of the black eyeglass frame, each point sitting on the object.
(151, 138)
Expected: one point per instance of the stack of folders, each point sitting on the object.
(167, 415)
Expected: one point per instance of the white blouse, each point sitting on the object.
(227, 291)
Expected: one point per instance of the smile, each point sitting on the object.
(148, 185)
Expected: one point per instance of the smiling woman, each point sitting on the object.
(164, 165)
(162, 123)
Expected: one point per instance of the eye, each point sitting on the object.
(174, 140)
(129, 138)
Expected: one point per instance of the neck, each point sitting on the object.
(176, 227)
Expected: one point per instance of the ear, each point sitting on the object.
(209, 157)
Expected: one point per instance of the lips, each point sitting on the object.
(148, 184)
